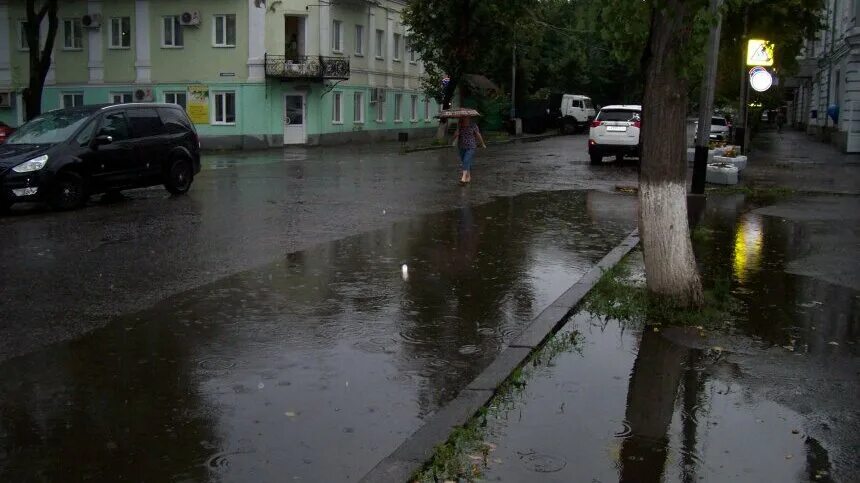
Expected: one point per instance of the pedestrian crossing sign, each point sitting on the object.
(759, 52)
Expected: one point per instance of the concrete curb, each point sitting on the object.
(523, 139)
(411, 455)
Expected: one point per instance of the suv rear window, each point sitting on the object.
(621, 115)
(175, 121)
(718, 121)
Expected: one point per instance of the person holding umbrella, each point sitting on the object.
(466, 137)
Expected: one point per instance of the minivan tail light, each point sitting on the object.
(637, 124)
(596, 123)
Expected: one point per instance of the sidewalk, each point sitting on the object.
(795, 160)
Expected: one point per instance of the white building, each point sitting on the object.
(829, 76)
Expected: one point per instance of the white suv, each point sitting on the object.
(615, 132)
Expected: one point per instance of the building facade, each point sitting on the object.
(251, 73)
(826, 97)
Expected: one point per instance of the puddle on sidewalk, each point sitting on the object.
(769, 396)
(312, 368)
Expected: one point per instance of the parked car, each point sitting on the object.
(5, 132)
(64, 156)
(720, 128)
(570, 112)
(615, 132)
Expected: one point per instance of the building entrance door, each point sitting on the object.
(294, 119)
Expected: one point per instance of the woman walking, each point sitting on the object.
(467, 138)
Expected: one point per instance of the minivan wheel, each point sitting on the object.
(68, 193)
(179, 177)
(4, 206)
(596, 159)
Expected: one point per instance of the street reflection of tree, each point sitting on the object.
(118, 405)
(654, 383)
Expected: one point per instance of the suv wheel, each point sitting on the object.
(4, 206)
(596, 159)
(68, 193)
(179, 177)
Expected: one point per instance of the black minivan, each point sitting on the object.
(63, 156)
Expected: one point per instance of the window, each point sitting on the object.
(174, 121)
(116, 126)
(22, 36)
(413, 108)
(380, 109)
(73, 99)
(359, 40)
(380, 43)
(178, 98)
(225, 108)
(171, 34)
(426, 109)
(409, 48)
(358, 115)
(120, 32)
(398, 107)
(120, 97)
(145, 122)
(86, 135)
(397, 47)
(337, 36)
(337, 108)
(224, 34)
(72, 34)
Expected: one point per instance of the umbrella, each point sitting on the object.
(458, 113)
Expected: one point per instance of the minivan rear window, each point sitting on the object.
(718, 121)
(621, 115)
(145, 122)
(175, 121)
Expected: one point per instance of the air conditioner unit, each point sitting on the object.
(143, 95)
(190, 18)
(92, 21)
(6, 99)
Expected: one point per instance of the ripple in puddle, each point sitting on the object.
(377, 345)
(542, 463)
(468, 349)
(216, 364)
(625, 431)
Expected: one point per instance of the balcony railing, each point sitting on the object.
(307, 67)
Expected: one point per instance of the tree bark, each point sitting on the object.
(670, 265)
(40, 56)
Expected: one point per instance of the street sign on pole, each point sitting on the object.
(759, 52)
(760, 79)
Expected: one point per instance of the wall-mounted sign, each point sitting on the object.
(759, 52)
(198, 104)
(760, 79)
(227, 74)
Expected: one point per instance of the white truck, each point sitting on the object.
(575, 112)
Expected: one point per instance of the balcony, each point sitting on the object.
(307, 67)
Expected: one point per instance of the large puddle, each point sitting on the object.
(770, 396)
(311, 368)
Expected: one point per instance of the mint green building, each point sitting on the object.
(251, 73)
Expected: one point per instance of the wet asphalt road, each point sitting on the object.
(64, 274)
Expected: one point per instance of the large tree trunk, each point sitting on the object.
(40, 56)
(670, 266)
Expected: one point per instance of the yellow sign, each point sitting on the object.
(198, 104)
(759, 52)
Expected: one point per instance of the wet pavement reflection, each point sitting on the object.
(313, 367)
(770, 396)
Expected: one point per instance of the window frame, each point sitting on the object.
(427, 117)
(337, 36)
(359, 40)
(380, 110)
(337, 107)
(413, 59)
(224, 30)
(175, 93)
(112, 28)
(397, 40)
(413, 107)
(380, 44)
(398, 107)
(223, 94)
(113, 94)
(175, 29)
(74, 95)
(74, 21)
(358, 107)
